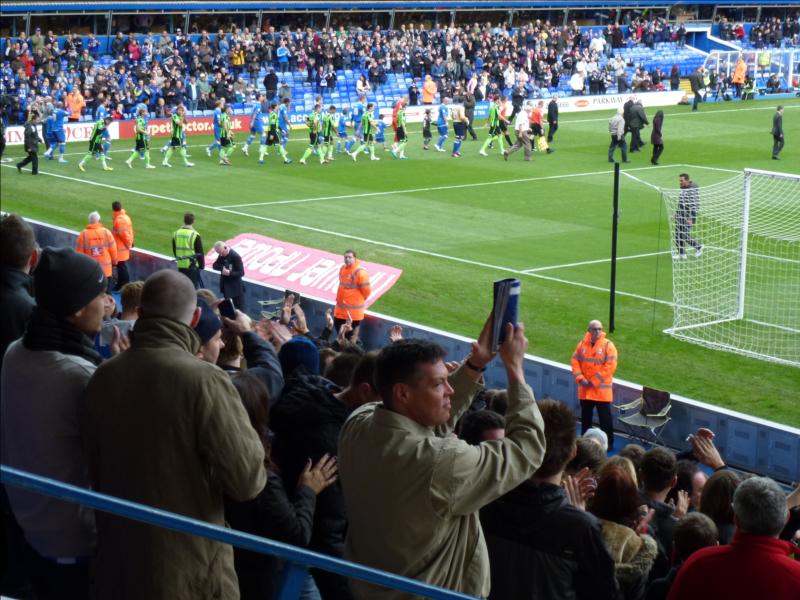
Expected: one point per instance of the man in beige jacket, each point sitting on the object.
(412, 489)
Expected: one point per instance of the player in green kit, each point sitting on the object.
(313, 123)
(142, 141)
(225, 137)
(178, 123)
(96, 144)
(326, 151)
(400, 135)
(495, 133)
(368, 126)
(273, 136)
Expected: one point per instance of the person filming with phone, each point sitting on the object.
(229, 263)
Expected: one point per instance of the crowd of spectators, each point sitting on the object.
(252, 422)
(769, 33)
(163, 70)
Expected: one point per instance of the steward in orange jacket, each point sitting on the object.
(593, 366)
(98, 242)
(122, 229)
(354, 289)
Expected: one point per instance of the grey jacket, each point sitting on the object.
(616, 127)
(638, 118)
(413, 493)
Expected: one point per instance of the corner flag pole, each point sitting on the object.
(614, 225)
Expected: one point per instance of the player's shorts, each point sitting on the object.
(443, 130)
(494, 130)
(224, 141)
(342, 134)
(368, 138)
(175, 142)
(400, 135)
(460, 129)
(284, 134)
(537, 129)
(95, 146)
(313, 138)
(141, 144)
(49, 138)
(106, 134)
(273, 138)
(59, 136)
(216, 133)
(503, 126)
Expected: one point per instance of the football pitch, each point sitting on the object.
(455, 225)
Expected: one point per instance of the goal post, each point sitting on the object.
(736, 265)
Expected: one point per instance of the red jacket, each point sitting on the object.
(753, 566)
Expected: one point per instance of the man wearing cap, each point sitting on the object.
(98, 243)
(167, 430)
(43, 380)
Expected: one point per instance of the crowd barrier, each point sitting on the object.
(296, 559)
(746, 442)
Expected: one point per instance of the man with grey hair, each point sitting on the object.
(168, 430)
(616, 127)
(756, 564)
(98, 243)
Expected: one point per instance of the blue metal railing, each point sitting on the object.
(297, 559)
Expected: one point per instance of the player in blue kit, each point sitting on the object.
(256, 126)
(358, 117)
(341, 130)
(220, 106)
(380, 136)
(441, 123)
(102, 113)
(284, 125)
(58, 136)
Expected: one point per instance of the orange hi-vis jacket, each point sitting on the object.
(739, 72)
(98, 242)
(354, 289)
(596, 364)
(123, 234)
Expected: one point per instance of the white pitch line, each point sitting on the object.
(592, 262)
(348, 236)
(439, 188)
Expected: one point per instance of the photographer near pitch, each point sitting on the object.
(229, 263)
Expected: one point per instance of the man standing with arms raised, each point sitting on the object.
(413, 490)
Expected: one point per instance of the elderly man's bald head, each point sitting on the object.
(169, 294)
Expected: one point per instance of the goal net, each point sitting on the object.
(736, 265)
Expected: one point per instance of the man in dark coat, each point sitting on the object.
(32, 141)
(697, 81)
(552, 118)
(229, 263)
(271, 84)
(777, 133)
(638, 119)
(686, 217)
(469, 112)
(656, 137)
(541, 545)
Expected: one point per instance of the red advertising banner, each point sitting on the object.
(194, 126)
(309, 271)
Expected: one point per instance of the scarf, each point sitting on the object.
(46, 332)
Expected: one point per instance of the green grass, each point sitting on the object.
(438, 235)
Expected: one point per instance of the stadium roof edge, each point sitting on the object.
(41, 6)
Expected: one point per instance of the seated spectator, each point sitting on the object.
(284, 514)
(481, 426)
(44, 378)
(167, 430)
(756, 564)
(716, 502)
(588, 454)
(399, 464)
(692, 532)
(540, 546)
(659, 475)
(634, 453)
(616, 503)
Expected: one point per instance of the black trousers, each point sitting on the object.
(123, 276)
(683, 235)
(471, 131)
(193, 273)
(697, 100)
(551, 131)
(603, 413)
(51, 581)
(657, 150)
(636, 139)
(777, 145)
(238, 301)
(33, 159)
(339, 322)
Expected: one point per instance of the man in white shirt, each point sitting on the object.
(521, 126)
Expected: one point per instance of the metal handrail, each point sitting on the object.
(297, 559)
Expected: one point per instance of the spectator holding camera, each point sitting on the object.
(399, 464)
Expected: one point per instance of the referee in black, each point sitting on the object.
(32, 141)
